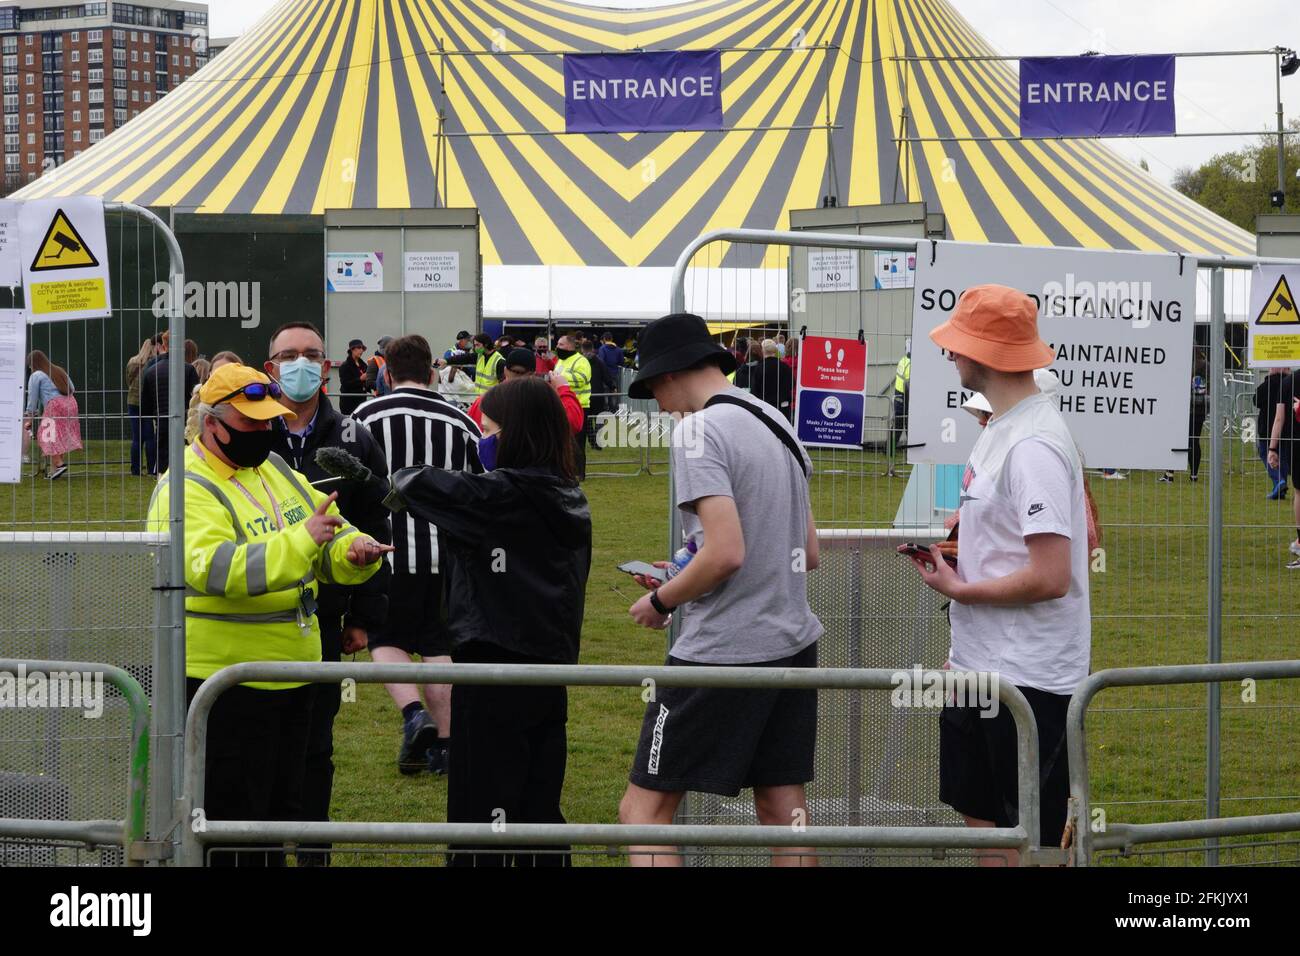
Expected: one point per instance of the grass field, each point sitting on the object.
(1149, 601)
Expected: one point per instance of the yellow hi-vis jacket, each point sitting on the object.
(242, 576)
(902, 373)
(578, 370)
(485, 371)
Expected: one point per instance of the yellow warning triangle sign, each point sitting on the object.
(1280, 309)
(63, 247)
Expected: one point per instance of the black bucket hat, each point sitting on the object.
(673, 344)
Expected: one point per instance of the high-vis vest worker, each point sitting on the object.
(244, 576)
(902, 374)
(578, 371)
(485, 371)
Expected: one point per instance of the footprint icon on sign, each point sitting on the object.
(839, 359)
(828, 350)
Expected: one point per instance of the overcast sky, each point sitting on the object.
(1214, 94)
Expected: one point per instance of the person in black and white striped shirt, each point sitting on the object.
(414, 426)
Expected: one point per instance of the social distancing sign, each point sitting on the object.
(830, 401)
(1120, 326)
(1274, 317)
(64, 248)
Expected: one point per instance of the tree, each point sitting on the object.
(1236, 185)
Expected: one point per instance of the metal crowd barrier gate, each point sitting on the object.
(18, 836)
(1023, 837)
(1124, 836)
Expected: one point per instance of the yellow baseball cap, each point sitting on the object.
(231, 383)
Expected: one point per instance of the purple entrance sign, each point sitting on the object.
(642, 92)
(1097, 96)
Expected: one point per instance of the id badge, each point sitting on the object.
(307, 608)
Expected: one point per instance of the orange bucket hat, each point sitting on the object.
(995, 326)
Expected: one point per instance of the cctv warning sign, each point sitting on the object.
(1275, 317)
(64, 247)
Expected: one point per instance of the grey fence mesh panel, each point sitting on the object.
(63, 602)
(877, 764)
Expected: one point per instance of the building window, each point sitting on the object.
(146, 56)
(31, 99)
(76, 56)
(175, 41)
(31, 118)
(95, 96)
(76, 96)
(187, 62)
(135, 37)
(135, 56)
(76, 76)
(135, 96)
(31, 40)
(95, 56)
(148, 96)
(76, 37)
(96, 76)
(30, 59)
(176, 78)
(31, 159)
(76, 116)
(176, 59)
(96, 135)
(31, 139)
(94, 36)
(97, 116)
(76, 136)
(135, 76)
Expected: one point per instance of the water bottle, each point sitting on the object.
(682, 558)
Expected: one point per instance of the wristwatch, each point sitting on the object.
(658, 605)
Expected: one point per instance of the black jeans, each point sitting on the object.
(507, 764)
(257, 746)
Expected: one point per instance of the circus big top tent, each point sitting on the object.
(334, 104)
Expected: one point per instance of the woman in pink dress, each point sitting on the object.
(50, 394)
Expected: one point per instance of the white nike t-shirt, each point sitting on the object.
(1024, 478)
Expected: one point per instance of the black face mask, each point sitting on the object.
(564, 353)
(245, 449)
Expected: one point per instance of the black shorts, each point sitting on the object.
(415, 620)
(977, 763)
(720, 740)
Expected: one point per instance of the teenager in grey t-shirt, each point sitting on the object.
(761, 612)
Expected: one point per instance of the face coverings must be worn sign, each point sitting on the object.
(1120, 325)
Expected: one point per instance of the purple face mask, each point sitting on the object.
(487, 452)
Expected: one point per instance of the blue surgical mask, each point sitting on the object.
(487, 452)
(300, 378)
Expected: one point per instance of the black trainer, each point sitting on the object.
(438, 758)
(418, 735)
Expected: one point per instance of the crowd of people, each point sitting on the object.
(475, 499)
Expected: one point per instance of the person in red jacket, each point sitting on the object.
(519, 364)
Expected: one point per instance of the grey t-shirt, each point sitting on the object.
(761, 612)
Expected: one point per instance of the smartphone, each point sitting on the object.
(647, 570)
(920, 551)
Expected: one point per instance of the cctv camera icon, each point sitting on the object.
(66, 244)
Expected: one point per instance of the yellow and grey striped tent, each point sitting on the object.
(330, 104)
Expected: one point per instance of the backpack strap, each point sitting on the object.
(786, 439)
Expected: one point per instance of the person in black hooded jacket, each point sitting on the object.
(521, 529)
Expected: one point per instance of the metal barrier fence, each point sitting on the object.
(1094, 832)
(1023, 837)
(40, 811)
(80, 580)
(1191, 571)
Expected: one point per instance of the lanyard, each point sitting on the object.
(279, 521)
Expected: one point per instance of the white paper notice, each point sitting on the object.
(11, 260)
(13, 380)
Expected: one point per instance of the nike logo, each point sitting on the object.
(1035, 508)
(965, 498)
